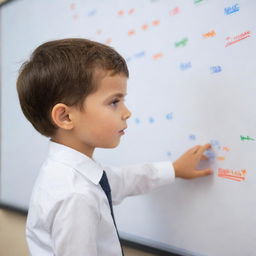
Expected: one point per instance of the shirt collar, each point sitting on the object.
(78, 161)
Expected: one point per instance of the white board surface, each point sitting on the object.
(192, 81)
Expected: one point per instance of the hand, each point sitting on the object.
(185, 165)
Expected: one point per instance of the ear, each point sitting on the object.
(60, 115)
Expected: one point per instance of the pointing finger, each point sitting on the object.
(202, 149)
(194, 149)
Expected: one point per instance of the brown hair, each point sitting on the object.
(62, 71)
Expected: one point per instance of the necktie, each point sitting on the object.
(106, 188)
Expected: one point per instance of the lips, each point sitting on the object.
(122, 131)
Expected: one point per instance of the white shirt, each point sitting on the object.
(69, 214)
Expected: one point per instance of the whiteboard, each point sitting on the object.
(192, 81)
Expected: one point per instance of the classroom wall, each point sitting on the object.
(191, 82)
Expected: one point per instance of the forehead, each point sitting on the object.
(110, 84)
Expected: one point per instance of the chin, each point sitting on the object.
(113, 145)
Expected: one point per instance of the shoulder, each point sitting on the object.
(58, 182)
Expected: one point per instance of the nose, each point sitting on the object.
(127, 114)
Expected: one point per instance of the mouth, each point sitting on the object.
(122, 131)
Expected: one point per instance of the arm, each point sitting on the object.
(139, 179)
(74, 227)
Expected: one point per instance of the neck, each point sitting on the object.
(72, 143)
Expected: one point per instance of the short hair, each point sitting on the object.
(63, 71)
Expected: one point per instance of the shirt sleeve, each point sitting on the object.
(75, 226)
(138, 179)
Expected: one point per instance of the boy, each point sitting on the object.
(73, 91)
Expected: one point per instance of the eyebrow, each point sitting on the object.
(119, 95)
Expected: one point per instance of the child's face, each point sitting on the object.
(103, 120)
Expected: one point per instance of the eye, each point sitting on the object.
(114, 102)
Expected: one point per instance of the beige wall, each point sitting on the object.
(12, 234)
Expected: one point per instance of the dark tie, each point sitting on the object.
(106, 188)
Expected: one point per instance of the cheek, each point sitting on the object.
(101, 122)
(107, 127)
(107, 118)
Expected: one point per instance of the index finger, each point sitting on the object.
(203, 148)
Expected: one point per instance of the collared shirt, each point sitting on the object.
(69, 214)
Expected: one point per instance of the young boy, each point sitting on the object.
(73, 91)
